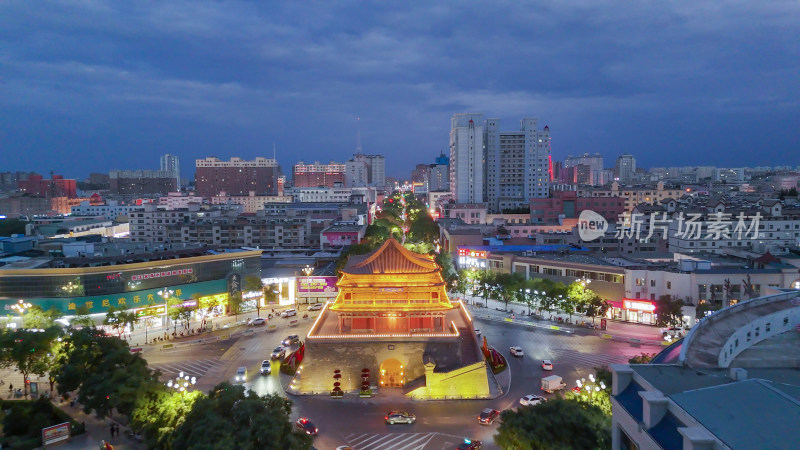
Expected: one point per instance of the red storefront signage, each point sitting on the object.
(55, 433)
(638, 305)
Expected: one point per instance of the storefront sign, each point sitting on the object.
(150, 312)
(167, 273)
(316, 285)
(480, 254)
(639, 305)
(56, 433)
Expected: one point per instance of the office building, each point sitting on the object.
(365, 170)
(236, 177)
(517, 164)
(466, 158)
(171, 163)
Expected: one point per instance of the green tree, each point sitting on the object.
(178, 311)
(159, 412)
(119, 319)
(105, 373)
(596, 307)
(556, 424)
(579, 295)
(644, 358)
(30, 352)
(253, 283)
(82, 318)
(233, 418)
(37, 318)
(669, 311)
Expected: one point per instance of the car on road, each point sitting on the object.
(316, 306)
(306, 426)
(258, 321)
(547, 364)
(469, 444)
(241, 375)
(671, 333)
(488, 416)
(289, 313)
(266, 367)
(517, 351)
(532, 399)
(278, 353)
(477, 332)
(393, 417)
(290, 339)
(344, 447)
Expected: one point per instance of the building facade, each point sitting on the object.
(142, 182)
(236, 177)
(319, 175)
(171, 163)
(58, 186)
(625, 168)
(466, 158)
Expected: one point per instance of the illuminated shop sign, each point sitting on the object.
(168, 273)
(639, 305)
(152, 311)
(317, 284)
(392, 289)
(473, 253)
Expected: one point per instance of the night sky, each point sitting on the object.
(92, 86)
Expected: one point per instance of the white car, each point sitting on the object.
(316, 306)
(517, 351)
(477, 332)
(241, 375)
(289, 313)
(530, 400)
(278, 353)
(266, 367)
(673, 333)
(258, 321)
(547, 364)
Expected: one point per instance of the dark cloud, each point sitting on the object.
(94, 86)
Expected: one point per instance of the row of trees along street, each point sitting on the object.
(548, 296)
(107, 379)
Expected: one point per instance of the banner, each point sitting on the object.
(55, 433)
(317, 286)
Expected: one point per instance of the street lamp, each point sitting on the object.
(166, 294)
(21, 306)
(182, 383)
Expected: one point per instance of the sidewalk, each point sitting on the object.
(96, 430)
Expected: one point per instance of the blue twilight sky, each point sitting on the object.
(91, 86)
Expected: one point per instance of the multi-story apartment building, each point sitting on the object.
(250, 203)
(517, 164)
(466, 158)
(262, 231)
(171, 163)
(236, 177)
(110, 210)
(175, 200)
(143, 182)
(635, 195)
(625, 168)
(333, 195)
(589, 169)
(365, 170)
(567, 204)
(319, 175)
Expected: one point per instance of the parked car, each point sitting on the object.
(266, 367)
(290, 339)
(671, 333)
(469, 444)
(532, 399)
(517, 351)
(278, 353)
(306, 426)
(316, 306)
(258, 321)
(289, 313)
(547, 364)
(393, 417)
(488, 416)
(241, 375)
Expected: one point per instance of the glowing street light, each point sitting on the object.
(182, 383)
(21, 307)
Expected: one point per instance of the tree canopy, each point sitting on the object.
(556, 424)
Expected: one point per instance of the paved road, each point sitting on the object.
(440, 424)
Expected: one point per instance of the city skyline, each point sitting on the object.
(105, 86)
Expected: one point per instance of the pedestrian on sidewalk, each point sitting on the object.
(112, 430)
(10, 389)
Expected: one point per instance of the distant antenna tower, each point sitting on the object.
(358, 134)
(274, 151)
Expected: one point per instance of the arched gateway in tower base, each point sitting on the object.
(393, 318)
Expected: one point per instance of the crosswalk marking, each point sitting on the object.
(195, 368)
(390, 441)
